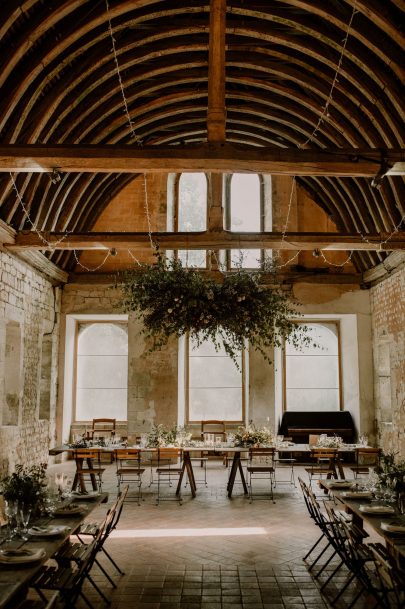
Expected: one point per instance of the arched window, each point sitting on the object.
(244, 198)
(192, 214)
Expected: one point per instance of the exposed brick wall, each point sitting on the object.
(388, 319)
(28, 299)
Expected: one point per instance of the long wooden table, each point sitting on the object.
(187, 467)
(236, 467)
(15, 579)
(352, 506)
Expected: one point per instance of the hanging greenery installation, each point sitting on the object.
(172, 300)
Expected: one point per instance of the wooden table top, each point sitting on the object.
(305, 448)
(14, 579)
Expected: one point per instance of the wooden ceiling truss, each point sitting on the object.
(210, 86)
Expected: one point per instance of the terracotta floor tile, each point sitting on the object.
(213, 552)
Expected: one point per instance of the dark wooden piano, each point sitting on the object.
(300, 425)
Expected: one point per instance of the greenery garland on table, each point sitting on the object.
(172, 300)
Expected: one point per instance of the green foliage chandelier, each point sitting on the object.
(172, 301)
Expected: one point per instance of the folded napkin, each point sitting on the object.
(357, 494)
(394, 526)
(21, 555)
(341, 484)
(377, 509)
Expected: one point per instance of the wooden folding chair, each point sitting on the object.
(129, 470)
(366, 459)
(88, 466)
(323, 465)
(261, 466)
(170, 466)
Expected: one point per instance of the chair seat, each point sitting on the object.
(89, 528)
(93, 470)
(258, 468)
(172, 470)
(130, 470)
(319, 470)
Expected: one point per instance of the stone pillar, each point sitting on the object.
(152, 382)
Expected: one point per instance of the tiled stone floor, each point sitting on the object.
(212, 552)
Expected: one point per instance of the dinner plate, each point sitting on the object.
(357, 494)
(86, 496)
(393, 526)
(69, 510)
(48, 531)
(377, 509)
(21, 556)
(341, 484)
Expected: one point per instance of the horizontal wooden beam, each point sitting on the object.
(218, 158)
(286, 277)
(209, 240)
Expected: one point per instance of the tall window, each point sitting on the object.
(101, 371)
(215, 387)
(192, 214)
(245, 214)
(312, 378)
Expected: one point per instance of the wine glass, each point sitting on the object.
(66, 487)
(24, 513)
(11, 510)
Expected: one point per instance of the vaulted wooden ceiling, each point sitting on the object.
(299, 74)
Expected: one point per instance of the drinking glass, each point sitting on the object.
(66, 487)
(11, 510)
(24, 513)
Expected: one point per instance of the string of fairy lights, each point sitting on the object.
(325, 114)
(220, 265)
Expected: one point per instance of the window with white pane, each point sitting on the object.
(192, 214)
(215, 384)
(245, 215)
(101, 370)
(312, 373)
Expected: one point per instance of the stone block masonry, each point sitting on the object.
(388, 318)
(29, 315)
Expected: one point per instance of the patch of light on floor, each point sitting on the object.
(205, 532)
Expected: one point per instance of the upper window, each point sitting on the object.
(192, 214)
(215, 387)
(312, 377)
(245, 215)
(101, 371)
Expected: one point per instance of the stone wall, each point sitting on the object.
(388, 317)
(152, 379)
(29, 307)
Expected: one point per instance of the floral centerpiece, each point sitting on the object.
(26, 485)
(391, 472)
(172, 300)
(252, 436)
(325, 441)
(160, 435)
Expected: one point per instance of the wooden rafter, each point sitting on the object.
(216, 158)
(216, 116)
(209, 240)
